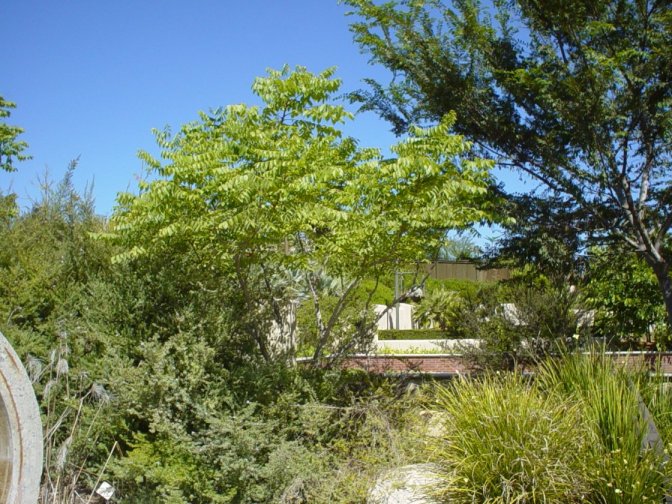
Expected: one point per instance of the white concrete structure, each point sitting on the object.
(389, 319)
(21, 442)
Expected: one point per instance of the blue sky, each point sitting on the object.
(91, 78)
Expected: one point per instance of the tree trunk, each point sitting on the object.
(263, 347)
(662, 271)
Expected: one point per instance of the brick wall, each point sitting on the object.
(407, 363)
(455, 364)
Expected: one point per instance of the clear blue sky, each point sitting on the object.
(91, 78)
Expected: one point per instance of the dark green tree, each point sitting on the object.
(624, 293)
(576, 95)
(544, 236)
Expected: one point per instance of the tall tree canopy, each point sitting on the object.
(577, 95)
(278, 196)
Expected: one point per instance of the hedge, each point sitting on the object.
(412, 334)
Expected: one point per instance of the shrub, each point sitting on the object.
(438, 308)
(412, 334)
(575, 433)
(624, 292)
(463, 288)
(543, 321)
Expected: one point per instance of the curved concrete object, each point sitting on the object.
(20, 432)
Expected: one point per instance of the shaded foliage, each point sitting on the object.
(625, 294)
(519, 324)
(574, 96)
(547, 234)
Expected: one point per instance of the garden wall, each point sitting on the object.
(452, 364)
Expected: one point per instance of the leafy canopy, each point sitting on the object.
(624, 292)
(576, 95)
(268, 189)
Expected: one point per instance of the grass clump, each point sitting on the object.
(575, 432)
(505, 441)
(625, 471)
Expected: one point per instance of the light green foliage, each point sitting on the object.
(624, 291)
(276, 191)
(11, 149)
(464, 288)
(382, 293)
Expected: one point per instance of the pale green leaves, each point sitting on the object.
(260, 192)
(279, 185)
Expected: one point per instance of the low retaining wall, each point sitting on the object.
(653, 361)
(453, 364)
(416, 363)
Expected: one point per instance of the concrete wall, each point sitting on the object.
(388, 316)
